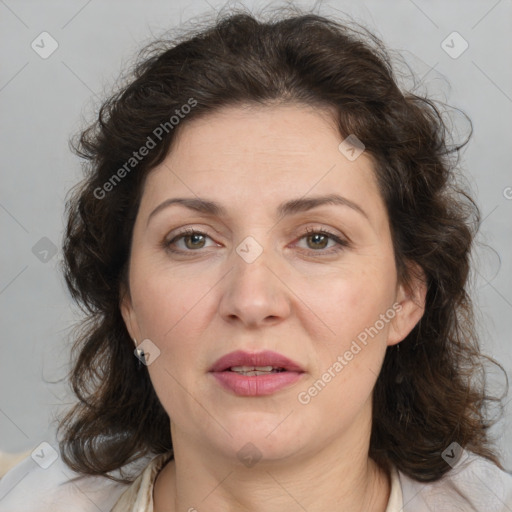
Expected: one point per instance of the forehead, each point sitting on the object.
(238, 155)
(281, 134)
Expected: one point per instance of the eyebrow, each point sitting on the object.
(287, 208)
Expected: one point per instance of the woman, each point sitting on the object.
(273, 254)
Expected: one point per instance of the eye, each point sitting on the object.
(318, 239)
(192, 240)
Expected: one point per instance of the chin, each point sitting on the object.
(265, 434)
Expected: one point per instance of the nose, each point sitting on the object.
(254, 292)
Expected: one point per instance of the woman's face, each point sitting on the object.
(275, 267)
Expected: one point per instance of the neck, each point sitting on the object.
(350, 482)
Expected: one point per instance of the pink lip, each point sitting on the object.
(258, 385)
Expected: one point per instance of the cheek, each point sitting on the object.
(349, 359)
(352, 301)
(170, 309)
(165, 303)
(172, 312)
(343, 393)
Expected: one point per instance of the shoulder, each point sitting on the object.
(48, 486)
(474, 484)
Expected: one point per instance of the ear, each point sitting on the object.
(409, 305)
(128, 314)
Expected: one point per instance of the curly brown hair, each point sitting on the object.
(426, 396)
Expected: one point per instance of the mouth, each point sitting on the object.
(256, 374)
(253, 371)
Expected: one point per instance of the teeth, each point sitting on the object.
(252, 368)
(253, 373)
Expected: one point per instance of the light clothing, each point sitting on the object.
(473, 485)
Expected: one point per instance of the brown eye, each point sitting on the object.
(196, 241)
(318, 241)
(187, 241)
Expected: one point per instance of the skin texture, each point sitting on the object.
(306, 297)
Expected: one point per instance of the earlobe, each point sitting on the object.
(410, 307)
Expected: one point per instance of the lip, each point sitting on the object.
(257, 385)
(264, 358)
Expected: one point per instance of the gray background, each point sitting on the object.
(43, 102)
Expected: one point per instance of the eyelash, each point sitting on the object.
(309, 231)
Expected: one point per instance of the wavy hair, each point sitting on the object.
(431, 392)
